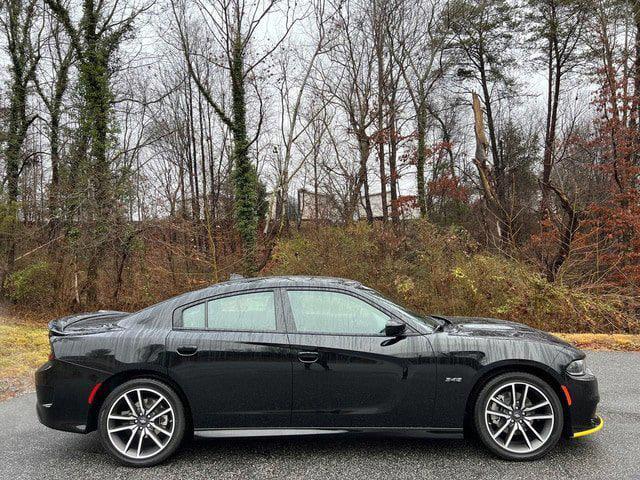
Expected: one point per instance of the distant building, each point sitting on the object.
(327, 207)
(324, 207)
(407, 206)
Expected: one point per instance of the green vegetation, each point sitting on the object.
(31, 285)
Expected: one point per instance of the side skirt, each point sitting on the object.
(280, 432)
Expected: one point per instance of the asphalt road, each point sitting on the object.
(29, 450)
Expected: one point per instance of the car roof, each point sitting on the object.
(151, 316)
(285, 281)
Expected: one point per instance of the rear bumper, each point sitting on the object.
(62, 391)
(584, 394)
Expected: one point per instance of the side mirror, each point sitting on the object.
(394, 328)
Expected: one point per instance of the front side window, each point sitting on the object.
(334, 313)
(249, 311)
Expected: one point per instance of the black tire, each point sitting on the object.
(178, 422)
(515, 421)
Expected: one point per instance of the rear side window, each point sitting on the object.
(250, 311)
(247, 311)
(334, 313)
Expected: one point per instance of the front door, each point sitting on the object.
(347, 373)
(230, 355)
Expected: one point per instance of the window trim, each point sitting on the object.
(277, 304)
(290, 319)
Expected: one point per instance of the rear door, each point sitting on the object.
(230, 355)
(346, 372)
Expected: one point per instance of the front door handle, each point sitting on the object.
(308, 357)
(187, 350)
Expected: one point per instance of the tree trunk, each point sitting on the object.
(636, 88)
(393, 153)
(16, 134)
(502, 217)
(487, 180)
(569, 230)
(364, 149)
(244, 175)
(421, 158)
(96, 95)
(380, 135)
(553, 100)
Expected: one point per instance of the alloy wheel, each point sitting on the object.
(141, 423)
(519, 417)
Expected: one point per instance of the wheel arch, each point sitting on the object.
(534, 368)
(119, 378)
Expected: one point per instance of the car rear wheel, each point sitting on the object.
(141, 422)
(518, 416)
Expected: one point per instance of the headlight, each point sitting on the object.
(577, 368)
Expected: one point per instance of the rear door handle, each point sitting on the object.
(187, 350)
(308, 357)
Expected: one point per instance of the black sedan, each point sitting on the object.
(304, 355)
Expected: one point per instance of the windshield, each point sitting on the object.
(394, 307)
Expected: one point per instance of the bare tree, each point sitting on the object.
(233, 26)
(558, 25)
(421, 39)
(352, 84)
(292, 91)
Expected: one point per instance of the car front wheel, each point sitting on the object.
(518, 416)
(141, 422)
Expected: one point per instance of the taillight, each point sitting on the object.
(51, 356)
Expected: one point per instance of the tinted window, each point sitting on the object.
(250, 311)
(194, 317)
(332, 312)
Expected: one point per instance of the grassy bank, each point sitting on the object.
(432, 270)
(24, 347)
(600, 341)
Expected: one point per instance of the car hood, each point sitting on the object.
(495, 328)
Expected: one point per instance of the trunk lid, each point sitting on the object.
(86, 323)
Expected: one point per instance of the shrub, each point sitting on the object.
(32, 285)
(442, 271)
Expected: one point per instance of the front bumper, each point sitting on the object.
(599, 423)
(62, 391)
(584, 398)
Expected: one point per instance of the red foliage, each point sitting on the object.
(447, 186)
(406, 203)
(612, 225)
(437, 150)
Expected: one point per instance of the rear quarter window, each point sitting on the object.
(194, 317)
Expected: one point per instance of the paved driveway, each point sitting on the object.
(30, 450)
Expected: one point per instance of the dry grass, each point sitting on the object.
(24, 346)
(602, 341)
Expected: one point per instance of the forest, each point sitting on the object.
(475, 157)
